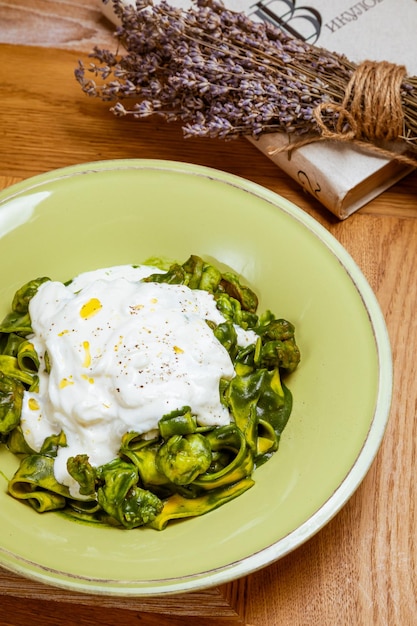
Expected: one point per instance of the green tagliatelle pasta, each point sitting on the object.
(184, 469)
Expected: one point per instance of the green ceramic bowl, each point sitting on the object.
(114, 212)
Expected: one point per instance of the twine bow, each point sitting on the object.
(372, 105)
(371, 112)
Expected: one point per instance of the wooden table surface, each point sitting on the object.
(361, 568)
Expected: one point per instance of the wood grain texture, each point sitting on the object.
(66, 24)
(202, 604)
(15, 611)
(361, 568)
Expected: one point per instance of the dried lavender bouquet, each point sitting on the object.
(223, 75)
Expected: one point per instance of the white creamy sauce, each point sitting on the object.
(122, 354)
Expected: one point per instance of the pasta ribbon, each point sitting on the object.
(35, 482)
(178, 507)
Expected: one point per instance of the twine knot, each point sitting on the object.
(370, 116)
(371, 109)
